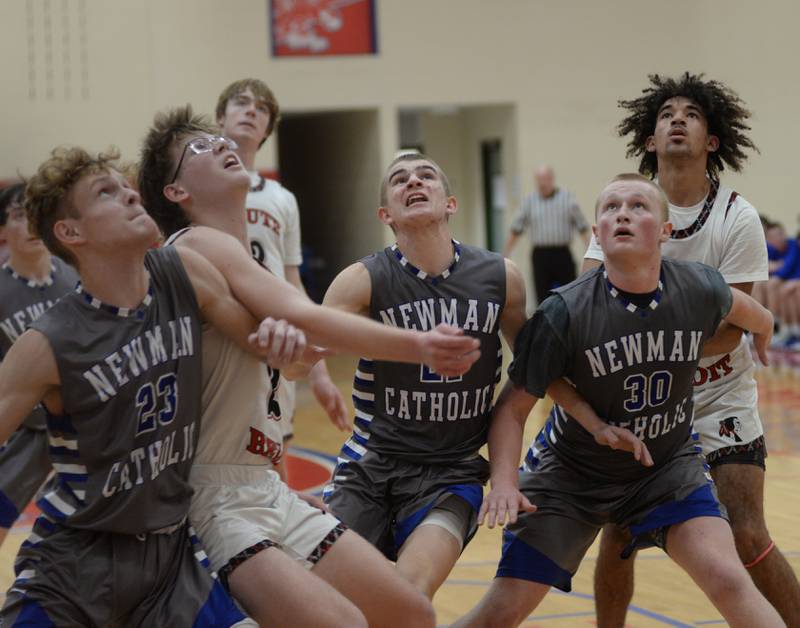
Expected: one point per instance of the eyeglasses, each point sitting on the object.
(203, 144)
(15, 210)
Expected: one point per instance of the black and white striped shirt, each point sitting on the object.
(551, 220)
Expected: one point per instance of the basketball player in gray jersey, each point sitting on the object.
(686, 131)
(116, 364)
(30, 282)
(410, 479)
(629, 337)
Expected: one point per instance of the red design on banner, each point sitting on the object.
(303, 28)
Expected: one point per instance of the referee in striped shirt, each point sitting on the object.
(551, 216)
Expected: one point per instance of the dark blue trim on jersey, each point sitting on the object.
(8, 511)
(470, 493)
(72, 477)
(197, 546)
(540, 442)
(60, 423)
(362, 423)
(350, 453)
(359, 439)
(48, 527)
(63, 452)
(699, 503)
(362, 404)
(520, 560)
(363, 383)
(32, 614)
(50, 510)
(422, 274)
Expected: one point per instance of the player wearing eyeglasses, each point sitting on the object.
(258, 534)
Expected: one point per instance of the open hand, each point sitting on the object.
(330, 398)
(502, 505)
(447, 351)
(622, 438)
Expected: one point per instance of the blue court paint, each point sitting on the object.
(560, 616)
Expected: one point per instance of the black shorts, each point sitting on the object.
(548, 545)
(24, 467)
(384, 498)
(71, 577)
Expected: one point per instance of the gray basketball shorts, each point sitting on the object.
(384, 498)
(547, 546)
(71, 577)
(24, 467)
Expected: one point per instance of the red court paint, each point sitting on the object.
(309, 470)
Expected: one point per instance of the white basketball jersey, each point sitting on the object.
(273, 228)
(240, 422)
(238, 426)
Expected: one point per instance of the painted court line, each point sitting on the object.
(663, 619)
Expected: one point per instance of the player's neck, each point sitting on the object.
(122, 280)
(684, 182)
(637, 276)
(429, 249)
(225, 214)
(248, 156)
(35, 267)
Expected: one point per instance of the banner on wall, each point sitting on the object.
(312, 28)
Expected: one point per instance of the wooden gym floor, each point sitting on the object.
(664, 596)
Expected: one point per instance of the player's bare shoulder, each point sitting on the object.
(514, 314)
(351, 290)
(205, 239)
(515, 282)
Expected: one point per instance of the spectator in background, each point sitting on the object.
(551, 216)
(783, 288)
(777, 242)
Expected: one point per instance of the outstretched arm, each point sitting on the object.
(444, 349)
(281, 344)
(727, 336)
(28, 375)
(603, 433)
(749, 314)
(504, 501)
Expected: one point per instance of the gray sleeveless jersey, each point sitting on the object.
(22, 301)
(634, 366)
(406, 410)
(130, 383)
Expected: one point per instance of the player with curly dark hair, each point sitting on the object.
(686, 131)
(725, 114)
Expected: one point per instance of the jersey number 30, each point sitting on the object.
(157, 402)
(653, 390)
